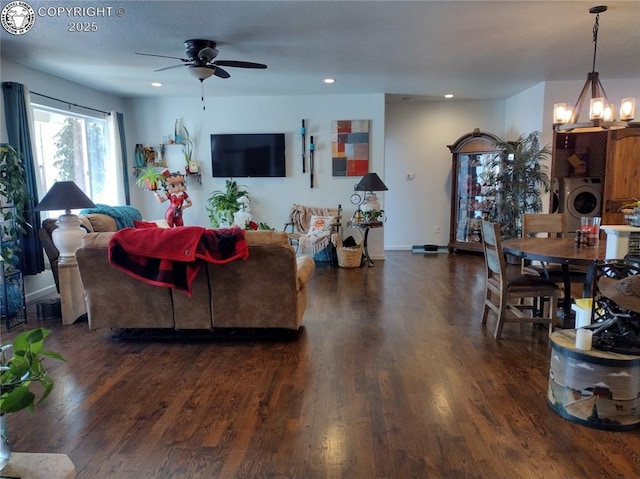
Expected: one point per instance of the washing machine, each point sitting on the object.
(580, 197)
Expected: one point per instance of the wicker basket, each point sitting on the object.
(349, 257)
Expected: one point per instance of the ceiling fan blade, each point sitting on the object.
(162, 56)
(169, 68)
(219, 72)
(239, 64)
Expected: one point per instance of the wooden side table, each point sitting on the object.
(599, 389)
(72, 301)
(27, 465)
(365, 227)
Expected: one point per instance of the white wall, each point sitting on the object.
(58, 88)
(524, 113)
(147, 120)
(416, 138)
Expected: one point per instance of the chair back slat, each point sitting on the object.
(493, 254)
(551, 224)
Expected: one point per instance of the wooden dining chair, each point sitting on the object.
(506, 289)
(551, 225)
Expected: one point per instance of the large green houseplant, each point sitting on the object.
(13, 188)
(515, 180)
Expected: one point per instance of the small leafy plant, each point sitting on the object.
(150, 178)
(24, 369)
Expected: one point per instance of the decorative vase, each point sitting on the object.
(178, 132)
(5, 449)
(370, 203)
(140, 155)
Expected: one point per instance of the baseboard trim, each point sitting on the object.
(40, 293)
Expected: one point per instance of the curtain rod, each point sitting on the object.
(69, 103)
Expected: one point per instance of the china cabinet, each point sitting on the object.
(469, 204)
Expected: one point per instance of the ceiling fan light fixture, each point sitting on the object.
(201, 73)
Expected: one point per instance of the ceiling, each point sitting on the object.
(421, 49)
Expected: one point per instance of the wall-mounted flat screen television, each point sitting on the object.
(248, 155)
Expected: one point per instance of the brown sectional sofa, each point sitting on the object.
(268, 290)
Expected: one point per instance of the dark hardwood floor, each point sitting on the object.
(393, 376)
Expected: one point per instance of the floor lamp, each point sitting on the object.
(65, 195)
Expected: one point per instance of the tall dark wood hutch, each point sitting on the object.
(468, 201)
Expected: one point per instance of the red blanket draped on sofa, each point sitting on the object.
(172, 256)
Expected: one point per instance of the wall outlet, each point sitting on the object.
(436, 230)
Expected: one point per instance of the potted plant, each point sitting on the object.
(150, 177)
(515, 179)
(222, 205)
(13, 188)
(18, 375)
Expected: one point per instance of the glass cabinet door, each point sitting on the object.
(472, 202)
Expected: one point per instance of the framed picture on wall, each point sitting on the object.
(350, 147)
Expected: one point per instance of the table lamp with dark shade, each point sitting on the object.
(369, 183)
(65, 195)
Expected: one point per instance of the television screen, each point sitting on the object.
(248, 155)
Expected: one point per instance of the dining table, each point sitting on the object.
(563, 251)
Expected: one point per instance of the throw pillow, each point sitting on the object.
(318, 224)
(144, 224)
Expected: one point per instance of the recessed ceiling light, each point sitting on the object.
(156, 84)
(449, 95)
(329, 80)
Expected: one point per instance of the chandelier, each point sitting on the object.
(601, 111)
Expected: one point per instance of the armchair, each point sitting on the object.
(313, 229)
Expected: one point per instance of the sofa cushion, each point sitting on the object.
(97, 240)
(101, 222)
(84, 222)
(266, 237)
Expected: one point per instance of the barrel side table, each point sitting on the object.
(594, 388)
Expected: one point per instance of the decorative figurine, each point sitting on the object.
(175, 191)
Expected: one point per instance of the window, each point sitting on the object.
(74, 147)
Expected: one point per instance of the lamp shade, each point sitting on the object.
(64, 195)
(371, 182)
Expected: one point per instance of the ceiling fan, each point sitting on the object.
(200, 60)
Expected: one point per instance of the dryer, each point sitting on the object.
(580, 197)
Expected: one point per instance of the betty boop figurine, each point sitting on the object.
(176, 193)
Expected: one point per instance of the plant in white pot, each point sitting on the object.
(515, 180)
(18, 376)
(222, 205)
